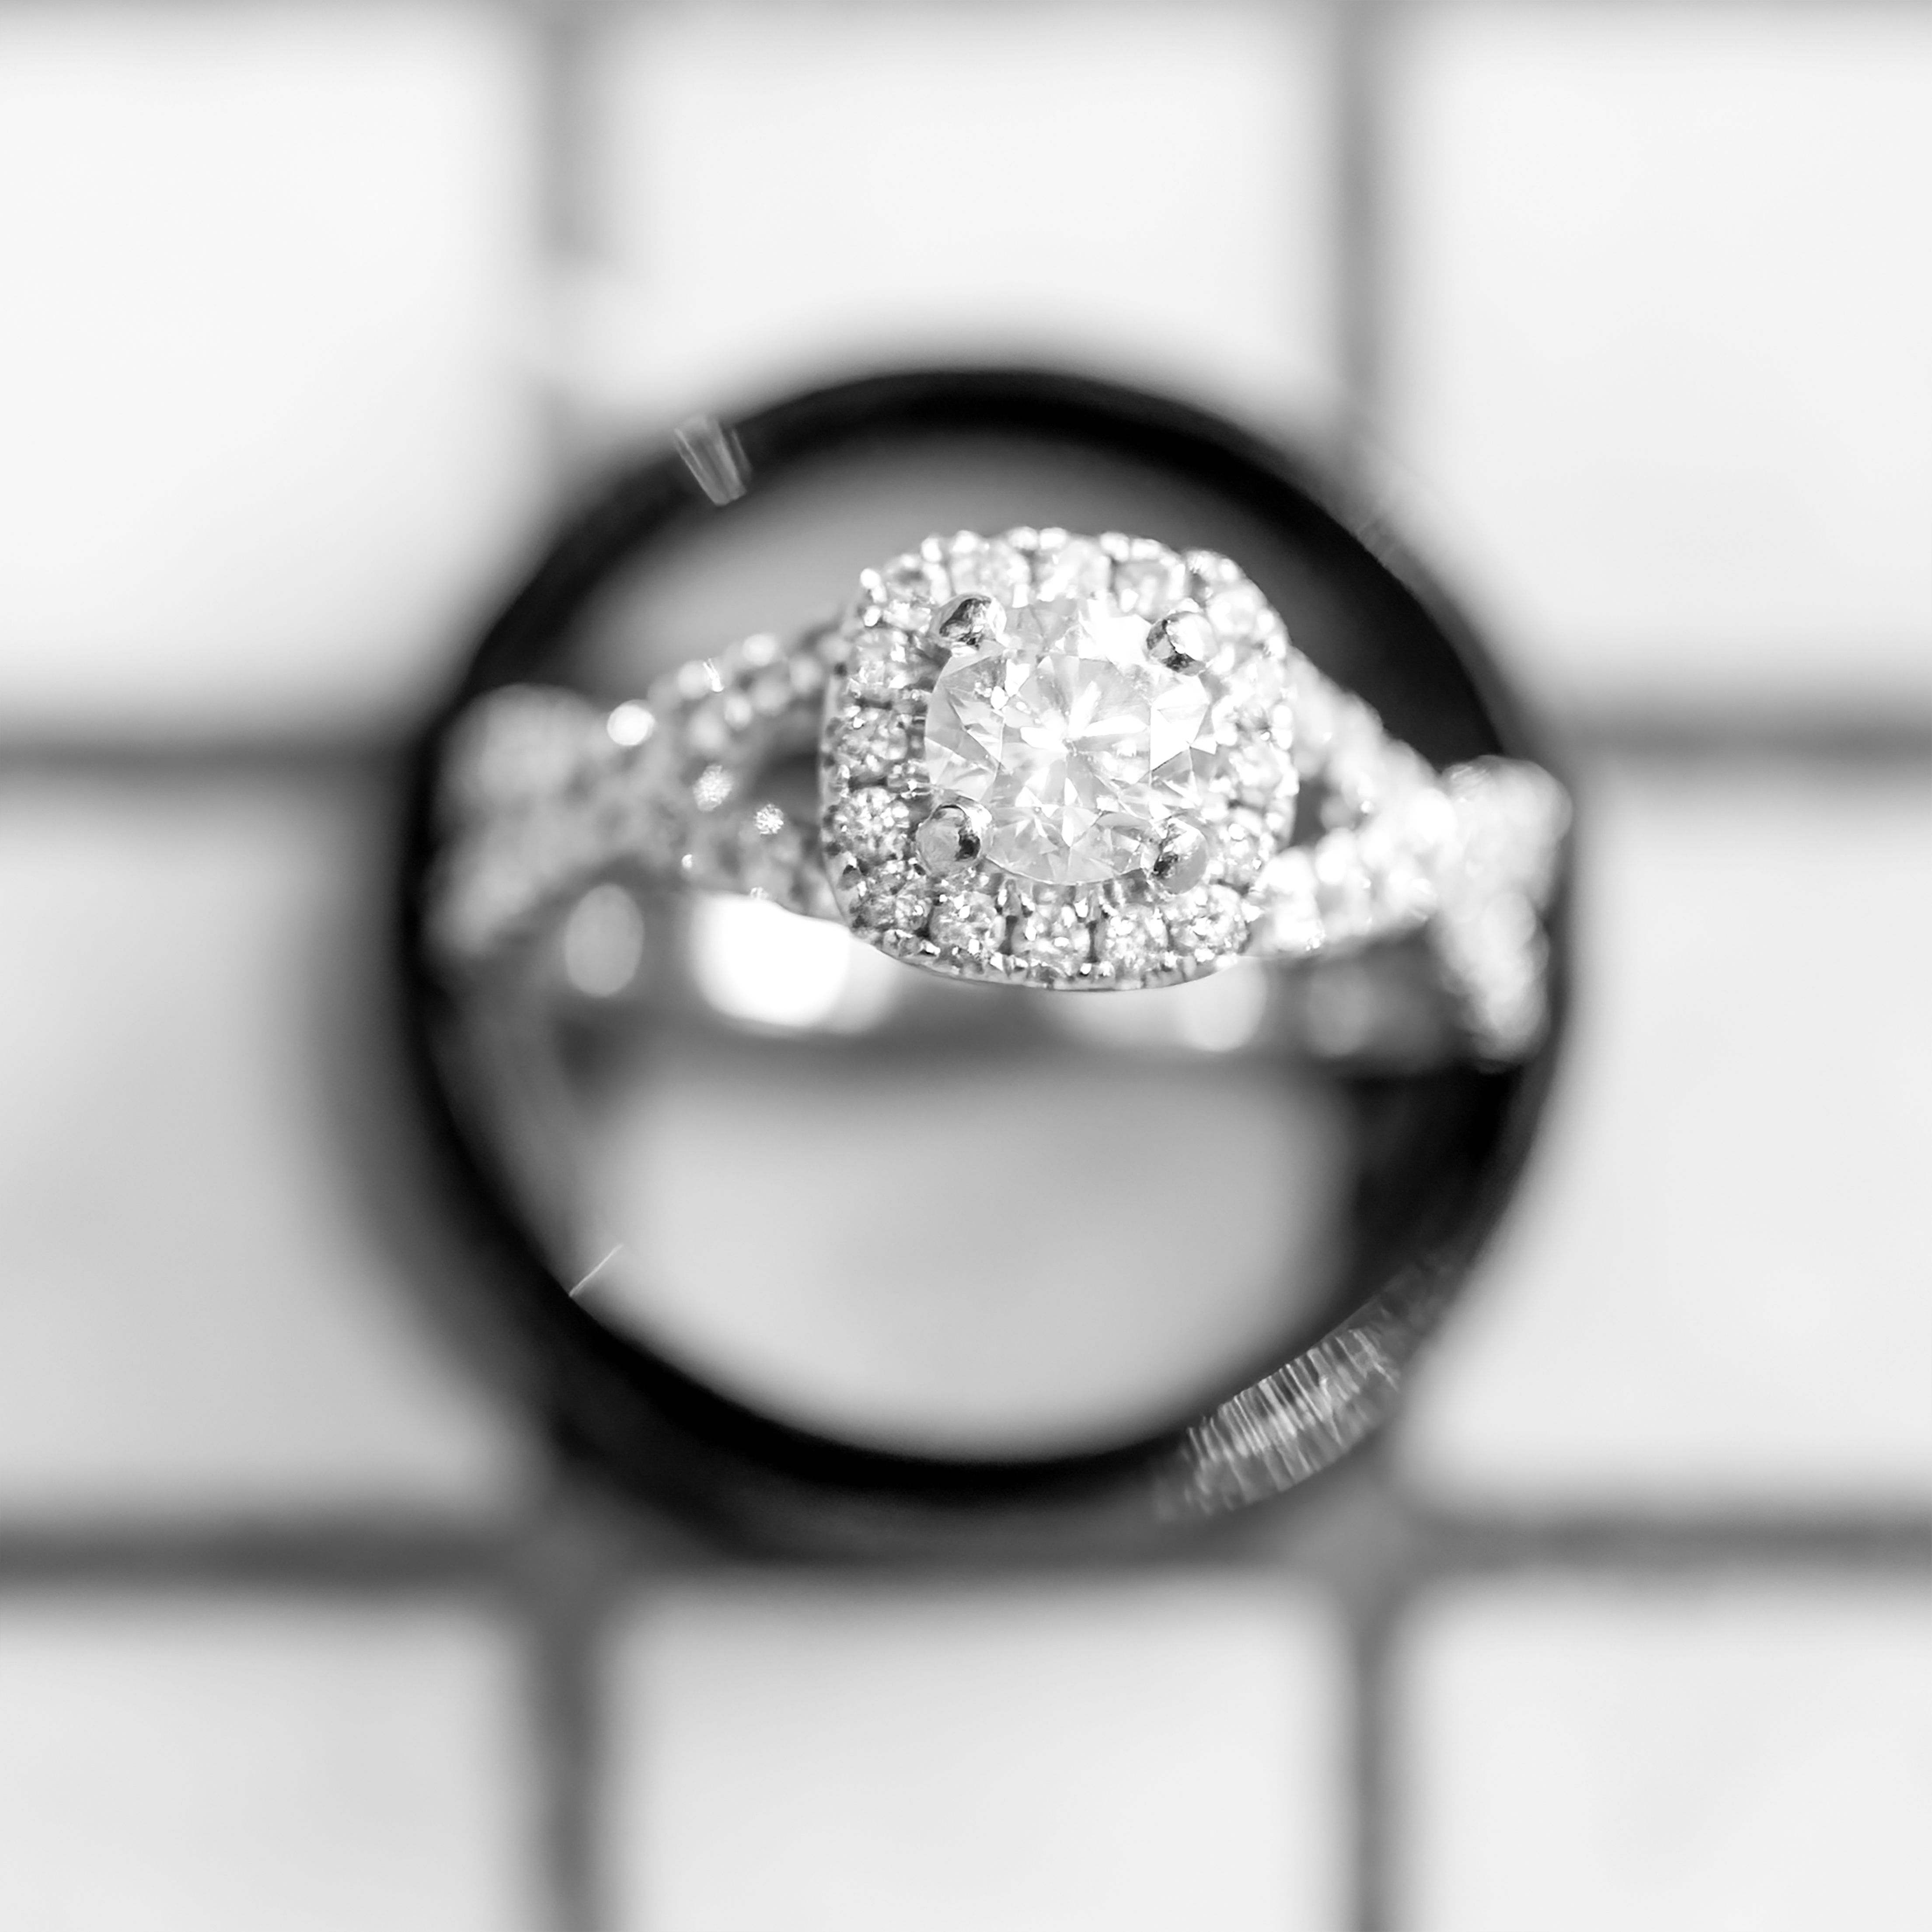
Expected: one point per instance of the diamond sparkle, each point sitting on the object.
(1078, 746)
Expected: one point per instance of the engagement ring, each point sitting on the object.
(1080, 764)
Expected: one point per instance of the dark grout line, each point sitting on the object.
(1359, 1564)
(1393, 1547)
(613, 1550)
(565, 238)
(565, 131)
(377, 1558)
(1354, 1543)
(564, 1651)
(1638, 1544)
(574, 1575)
(1374, 1826)
(575, 1568)
(267, 757)
(1356, 49)
(1900, 739)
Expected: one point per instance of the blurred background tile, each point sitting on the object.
(200, 1311)
(1714, 1286)
(1660, 286)
(1133, 1755)
(779, 194)
(172, 1764)
(1679, 1758)
(264, 424)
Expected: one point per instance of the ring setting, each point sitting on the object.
(1088, 767)
(1068, 762)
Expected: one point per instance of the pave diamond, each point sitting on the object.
(895, 896)
(872, 821)
(971, 922)
(870, 741)
(1134, 938)
(881, 665)
(1209, 921)
(1056, 939)
(1077, 746)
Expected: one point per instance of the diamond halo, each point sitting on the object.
(1058, 759)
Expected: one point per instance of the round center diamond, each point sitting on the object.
(1076, 743)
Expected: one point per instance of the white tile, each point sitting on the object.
(198, 1312)
(1661, 283)
(1716, 1285)
(262, 439)
(1679, 1759)
(1137, 1755)
(170, 1765)
(786, 193)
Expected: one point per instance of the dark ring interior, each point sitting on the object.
(1463, 1139)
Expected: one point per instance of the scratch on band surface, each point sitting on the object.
(596, 1270)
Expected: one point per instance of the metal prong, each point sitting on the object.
(1182, 640)
(969, 622)
(1181, 861)
(948, 840)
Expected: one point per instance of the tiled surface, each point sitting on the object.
(1657, 279)
(264, 356)
(861, 1760)
(1094, 187)
(300, 300)
(228, 1767)
(1716, 1285)
(202, 1310)
(1677, 1759)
